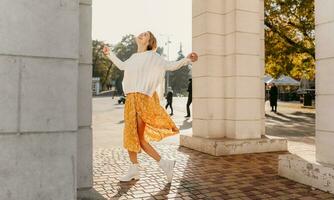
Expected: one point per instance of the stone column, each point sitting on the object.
(38, 101)
(317, 169)
(262, 65)
(324, 81)
(85, 140)
(228, 92)
(207, 73)
(243, 74)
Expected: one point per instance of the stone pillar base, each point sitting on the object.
(220, 147)
(308, 172)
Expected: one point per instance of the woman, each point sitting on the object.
(144, 119)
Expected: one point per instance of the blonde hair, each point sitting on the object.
(152, 42)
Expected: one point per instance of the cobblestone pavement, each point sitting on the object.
(197, 176)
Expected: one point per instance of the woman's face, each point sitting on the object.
(143, 38)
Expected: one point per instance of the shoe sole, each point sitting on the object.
(136, 178)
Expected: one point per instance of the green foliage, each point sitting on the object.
(123, 50)
(179, 78)
(160, 50)
(290, 38)
(105, 69)
(102, 66)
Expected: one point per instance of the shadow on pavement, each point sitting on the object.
(90, 194)
(121, 122)
(292, 125)
(163, 193)
(293, 117)
(186, 124)
(124, 188)
(254, 176)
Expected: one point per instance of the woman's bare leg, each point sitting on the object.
(145, 145)
(133, 157)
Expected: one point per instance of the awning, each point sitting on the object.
(284, 80)
(267, 78)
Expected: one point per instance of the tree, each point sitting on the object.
(102, 66)
(290, 38)
(123, 50)
(160, 50)
(105, 69)
(179, 78)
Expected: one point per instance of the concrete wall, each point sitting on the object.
(85, 139)
(262, 63)
(228, 97)
(324, 80)
(38, 102)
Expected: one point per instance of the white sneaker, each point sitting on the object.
(132, 174)
(167, 166)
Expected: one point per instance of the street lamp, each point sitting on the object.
(168, 58)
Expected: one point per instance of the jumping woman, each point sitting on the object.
(145, 119)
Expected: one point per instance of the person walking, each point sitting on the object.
(169, 99)
(145, 119)
(113, 91)
(273, 95)
(190, 97)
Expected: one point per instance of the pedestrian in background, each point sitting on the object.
(169, 98)
(273, 95)
(190, 97)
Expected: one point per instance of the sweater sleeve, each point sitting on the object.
(173, 65)
(119, 64)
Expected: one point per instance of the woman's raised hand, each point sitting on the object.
(106, 50)
(193, 56)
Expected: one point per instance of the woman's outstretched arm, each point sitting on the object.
(119, 64)
(175, 65)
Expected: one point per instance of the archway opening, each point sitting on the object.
(173, 33)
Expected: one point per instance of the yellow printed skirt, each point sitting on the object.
(158, 123)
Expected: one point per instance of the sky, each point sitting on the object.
(113, 19)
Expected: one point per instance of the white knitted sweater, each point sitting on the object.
(144, 72)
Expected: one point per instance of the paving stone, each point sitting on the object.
(198, 176)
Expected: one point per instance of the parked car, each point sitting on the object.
(121, 99)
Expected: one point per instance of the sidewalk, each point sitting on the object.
(198, 175)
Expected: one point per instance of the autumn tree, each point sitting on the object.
(290, 38)
(123, 50)
(102, 66)
(179, 78)
(105, 69)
